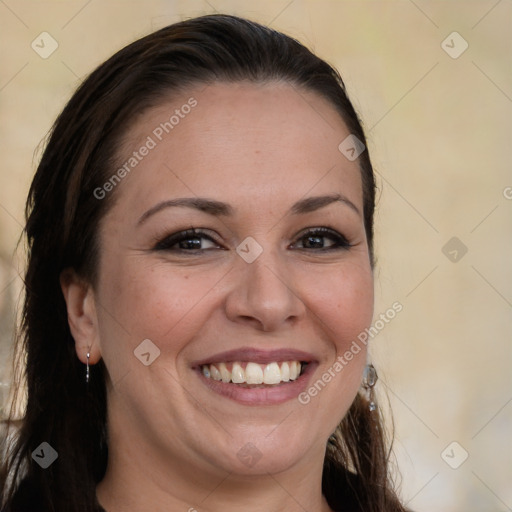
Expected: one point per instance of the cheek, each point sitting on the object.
(343, 301)
(142, 301)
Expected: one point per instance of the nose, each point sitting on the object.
(263, 295)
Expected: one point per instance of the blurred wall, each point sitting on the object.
(432, 81)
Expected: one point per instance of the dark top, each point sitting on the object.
(28, 499)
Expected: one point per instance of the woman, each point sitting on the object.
(200, 269)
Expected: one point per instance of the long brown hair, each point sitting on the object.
(63, 213)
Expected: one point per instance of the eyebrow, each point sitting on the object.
(310, 204)
(218, 208)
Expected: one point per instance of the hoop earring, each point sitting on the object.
(87, 369)
(370, 378)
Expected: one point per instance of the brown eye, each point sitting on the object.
(321, 239)
(190, 240)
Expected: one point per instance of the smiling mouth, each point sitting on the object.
(254, 375)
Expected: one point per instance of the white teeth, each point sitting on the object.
(224, 372)
(272, 374)
(215, 372)
(254, 373)
(237, 374)
(285, 372)
(293, 371)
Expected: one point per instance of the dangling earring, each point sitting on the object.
(369, 380)
(87, 369)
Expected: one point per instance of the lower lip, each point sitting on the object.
(271, 395)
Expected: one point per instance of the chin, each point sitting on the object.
(263, 453)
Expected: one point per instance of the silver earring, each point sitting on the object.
(87, 369)
(369, 380)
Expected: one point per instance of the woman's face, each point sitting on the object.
(236, 246)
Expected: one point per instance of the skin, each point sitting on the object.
(173, 442)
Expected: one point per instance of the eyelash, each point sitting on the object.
(340, 242)
(167, 244)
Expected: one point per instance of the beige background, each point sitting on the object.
(439, 132)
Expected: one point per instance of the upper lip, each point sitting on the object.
(257, 356)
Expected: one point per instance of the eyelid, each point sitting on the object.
(165, 243)
(320, 229)
(341, 240)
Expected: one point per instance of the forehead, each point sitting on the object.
(241, 139)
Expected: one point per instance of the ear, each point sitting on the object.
(82, 318)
